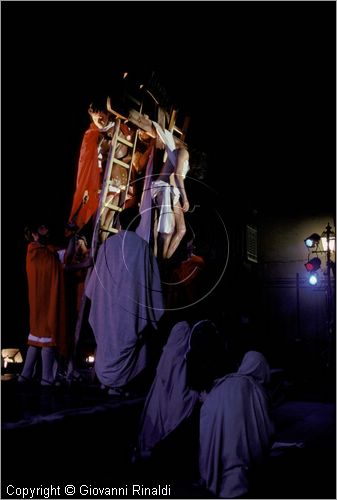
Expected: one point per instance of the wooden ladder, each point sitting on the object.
(116, 176)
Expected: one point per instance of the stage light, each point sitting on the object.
(11, 356)
(312, 241)
(313, 279)
(313, 264)
(90, 359)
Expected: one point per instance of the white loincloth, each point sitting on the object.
(165, 196)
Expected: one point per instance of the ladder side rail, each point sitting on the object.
(104, 191)
(125, 192)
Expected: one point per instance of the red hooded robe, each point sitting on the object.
(88, 179)
(46, 297)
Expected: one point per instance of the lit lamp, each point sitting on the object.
(90, 360)
(328, 239)
(10, 358)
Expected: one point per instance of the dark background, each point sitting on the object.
(258, 80)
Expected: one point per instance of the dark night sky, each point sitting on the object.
(257, 78)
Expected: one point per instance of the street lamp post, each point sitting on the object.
(328, 247)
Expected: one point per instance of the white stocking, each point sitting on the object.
(30, 362)
(48, 359)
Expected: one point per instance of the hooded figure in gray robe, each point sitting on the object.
(170, 401)
(126, 303)
(235, 428)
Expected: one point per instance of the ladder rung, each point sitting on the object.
(109, 229)
(113, 207)
(112, 183)
(131, 98)
(124, 141)
(121, 163)
(176, 129)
